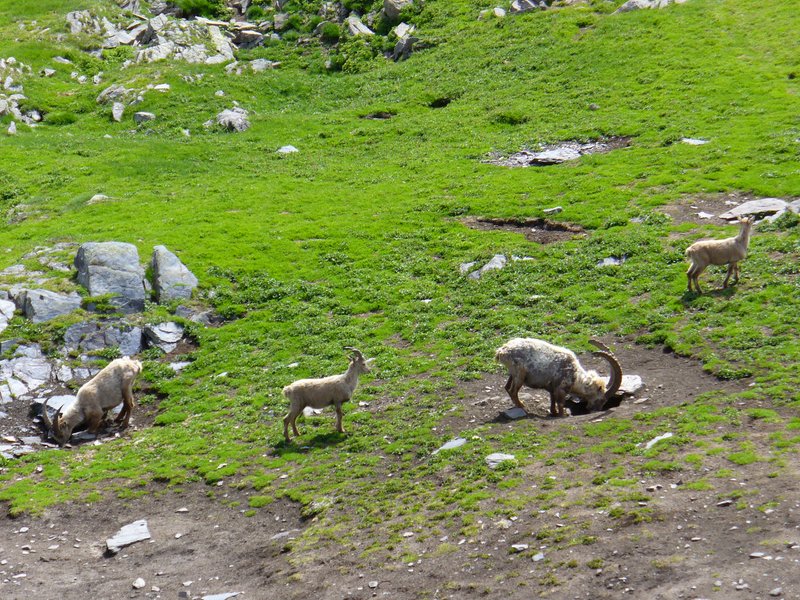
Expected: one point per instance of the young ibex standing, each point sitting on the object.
(319, 393)
(719, 252)
(112, 385)
(541, 365)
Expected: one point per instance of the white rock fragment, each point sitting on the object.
(657, 439)
(288, 149)
(451, 445)
(129, 534)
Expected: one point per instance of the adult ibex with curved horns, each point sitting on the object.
(540, 365)
(110, 387)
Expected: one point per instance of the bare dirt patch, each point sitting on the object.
(210, 547)
(705, 208)
(540, 231)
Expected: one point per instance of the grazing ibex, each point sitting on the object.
(319, 393)
(541, 365)
(112, 385)
(719, 252)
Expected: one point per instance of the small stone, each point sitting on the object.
(143, 117)
(515, 413)
(373, 584)
(776, 591)
(519, 547)
(451, 445)
(553, 211)
(288, 149)
(724, 502)
(757, 555)
(538, 557)
(138, 584)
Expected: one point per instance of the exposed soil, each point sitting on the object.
(740, 539)
(688, 210)
(540, 231)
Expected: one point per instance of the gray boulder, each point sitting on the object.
(758, 208)
(644, 4)
(233, 119)
(392, 8)
(112, 268)
(113, 93)
(248, 38)
(143, 117)
(356, 27)
(520, 6)
(89, 337)
(7, 309)
(117, 111)
(44, 305)
(164, 335)
(404, 47)
(498, 262)
(171, 279)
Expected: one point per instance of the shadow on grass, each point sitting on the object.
(689, 298)
(301, 444)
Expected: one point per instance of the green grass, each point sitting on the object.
(356, 241)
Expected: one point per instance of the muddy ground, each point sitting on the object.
(697, 545)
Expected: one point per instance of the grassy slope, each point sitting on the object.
(338, 245)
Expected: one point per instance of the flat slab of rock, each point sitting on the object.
(515, 413)
(497, 262)
(112, 268)
(43, 305)
(630, 384)
(644, 4)
(451, 445)
(554, 154)
(164, 335)
(171, 279)
(54, 403)
(129, 534)
(758, 208)
(223, 596)
(493, 460)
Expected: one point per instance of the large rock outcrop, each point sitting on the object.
(112, 268)
(171, 279)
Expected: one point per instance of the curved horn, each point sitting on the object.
(616, 372)
(601, 345)
(48, 424)
(355, 351)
